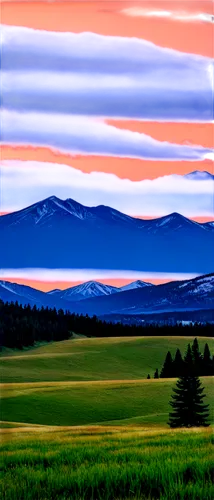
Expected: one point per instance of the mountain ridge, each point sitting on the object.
(74, 208)
(196, 293)
(57, 234)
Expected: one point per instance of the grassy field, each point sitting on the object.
(80, 421)
(92, 359)
(105, 463)
(79, 403)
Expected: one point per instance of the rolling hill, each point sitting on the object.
(85, 381)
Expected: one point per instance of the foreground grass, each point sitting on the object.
(105, 463)
(79, 403)
(120, 447)
(92, 359)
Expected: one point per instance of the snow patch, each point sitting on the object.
(9, 288)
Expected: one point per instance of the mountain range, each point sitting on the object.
(141, 298)
(11, 292)
(93, 289)
(57, 234)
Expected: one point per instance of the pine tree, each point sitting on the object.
(188, 367)
(207, 362)
(148, 376)
(187, 403)
(167, 370)
(197, 358)
(212, 366)
(178, 364)
(156, 375)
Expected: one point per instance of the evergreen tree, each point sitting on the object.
(212, 366)
(177, 364)
(188, 362)
(187, 403)
(148, 376)
(207, 362)
(156, 375)
(197, 358)
(167, 370)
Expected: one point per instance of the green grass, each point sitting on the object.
(81, 403)
(92, 359)
(106, 464)
(79, 421)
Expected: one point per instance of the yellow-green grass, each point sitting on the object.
(80, 403)
(92, 359)
(80, 421)
(103, 463)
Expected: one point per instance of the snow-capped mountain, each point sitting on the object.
(13, 292)
(201, 286)
(52, 210)
(94, 289)
(195, 294)
(172, 222)
(58, 234)
(135, 284)
(83, 291)
(209, 225)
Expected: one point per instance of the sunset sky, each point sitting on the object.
(107, 102)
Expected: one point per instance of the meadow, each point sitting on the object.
(80, 421)
(90, 463)
(118, 358)
(81, 403)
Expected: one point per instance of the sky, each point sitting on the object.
(107, 102)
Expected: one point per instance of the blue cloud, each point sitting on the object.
(104, 76)
(27, 49)
(80, 134)
(24, 183)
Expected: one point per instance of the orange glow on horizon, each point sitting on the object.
(199, 219)
(124, 168)
(5, 212)
(46, 286)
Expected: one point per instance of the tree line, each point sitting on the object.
(187, 399)
(22, 326)
(194, 362)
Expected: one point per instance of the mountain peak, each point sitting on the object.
(170, 222)
(85, 290)
(52, 198)
(135, 284)
(198, 175)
